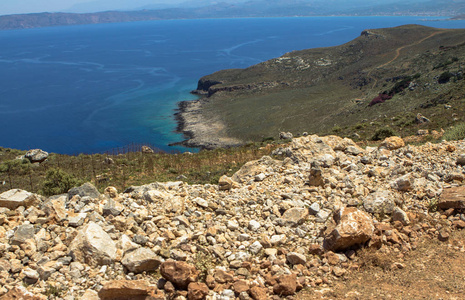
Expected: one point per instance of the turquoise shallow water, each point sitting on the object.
(86, 89)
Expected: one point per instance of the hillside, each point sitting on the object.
(330, 90)
(321, 218)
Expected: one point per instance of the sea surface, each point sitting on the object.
(91, 88)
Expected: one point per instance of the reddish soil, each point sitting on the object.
(434, 270)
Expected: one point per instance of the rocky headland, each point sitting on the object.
(280, 224)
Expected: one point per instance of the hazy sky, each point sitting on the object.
(31, 6)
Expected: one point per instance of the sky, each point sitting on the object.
(33, 6)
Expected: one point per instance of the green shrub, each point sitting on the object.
(445, 77)
(383, 133)
(58, 182)
(401, 85)
(15, 165)
(336, 129)
(53, 291)
(203, 263)
(455, 133)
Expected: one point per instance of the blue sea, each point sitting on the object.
(91, 88)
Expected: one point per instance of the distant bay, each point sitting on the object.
(90, 88)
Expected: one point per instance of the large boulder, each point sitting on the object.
(90, 295)
(253, 168)
(15, 198)
(295, 216)
(403, 183)
(179, 273)
(226, 183)
(258, 293)
(286, 135)
(36, 155)
(286, 285)
(126, 289)
(452, 198)
(353, 227)
(20, 292)
(22, 233)
(55, 207)
(93, 246)
(309, 148)
(147, 150)
(392, 143)
(113, 208)
(85, 190)
(379, 202)
(197, 291)
(140, 260)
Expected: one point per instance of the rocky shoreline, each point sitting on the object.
(273, 228)
(201, 131)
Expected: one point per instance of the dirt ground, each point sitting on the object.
(434, 270)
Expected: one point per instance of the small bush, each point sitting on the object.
(445, 77)
(53, 291)
(336, 129)
(383, 133)
(401, 85)
(455, 133)
(15, 165)
(58, 182)
(203, 263)
(433, 205)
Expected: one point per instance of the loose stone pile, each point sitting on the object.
(273, 228)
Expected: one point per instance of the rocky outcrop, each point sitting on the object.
(36, 155)
(93, 246)
(205, 84)
(15, 198)
(147, 150)
(85, 190)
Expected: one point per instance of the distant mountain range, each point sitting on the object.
(237, 9)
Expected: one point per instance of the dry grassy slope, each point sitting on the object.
(318, 90)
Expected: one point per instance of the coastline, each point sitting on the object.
(201, 131)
